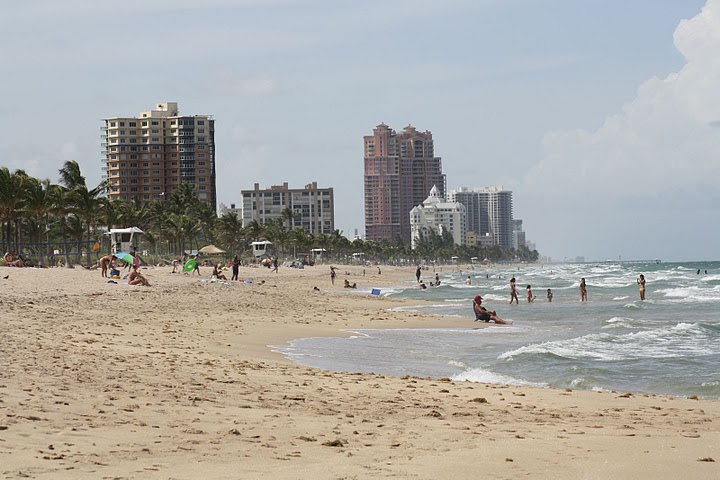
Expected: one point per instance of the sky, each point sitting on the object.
(602, 117)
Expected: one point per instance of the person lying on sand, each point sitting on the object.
(484, 315)
(136, 278)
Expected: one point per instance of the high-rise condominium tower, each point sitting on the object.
(400, 170)
(489, 212)
(149, 156)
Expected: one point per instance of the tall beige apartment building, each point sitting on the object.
(149, 156)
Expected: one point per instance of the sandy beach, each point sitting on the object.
(178, 381)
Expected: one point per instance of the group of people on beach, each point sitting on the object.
(582, 286)
(482, 314)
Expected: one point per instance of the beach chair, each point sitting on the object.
(375, 292)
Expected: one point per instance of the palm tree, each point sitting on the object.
(12, 196)
(39, 205)
(290, 216)
(229, 228)
(70, 175)
(84, 203)
(254, 230)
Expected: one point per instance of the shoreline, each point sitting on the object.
(177, 381)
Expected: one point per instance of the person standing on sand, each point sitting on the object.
(275, 265)
(418, 273)
(641, 282)
(513, 292)
(332, 275)
(583, 290)
(235, 268)
(379, 272)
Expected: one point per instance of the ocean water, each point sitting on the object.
(668, 344)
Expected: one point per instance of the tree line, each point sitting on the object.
(39, 216)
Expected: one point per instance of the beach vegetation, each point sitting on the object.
(39, 218)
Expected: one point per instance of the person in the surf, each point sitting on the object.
(484, 315)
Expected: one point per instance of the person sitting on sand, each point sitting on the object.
(106, 263)
(217, 272)
(484, 315)
(136, 278)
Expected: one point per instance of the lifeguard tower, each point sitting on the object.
(260, 248)
(123, 239)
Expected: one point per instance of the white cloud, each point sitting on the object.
(660, 147)
(664, 138)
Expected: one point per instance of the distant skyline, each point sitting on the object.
(603, 118)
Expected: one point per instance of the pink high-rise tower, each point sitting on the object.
(400, 170)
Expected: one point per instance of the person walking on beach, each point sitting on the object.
(275, 265)
(583, 290)
(484, 315)
(513, 292)
(418, 273)
(641, 282)
(332, 275)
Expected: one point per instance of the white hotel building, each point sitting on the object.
(437, 215)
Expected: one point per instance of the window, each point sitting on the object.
(145, 164)
(122, 124)
(112, 124)
(153, 123)
(144, 124)
(133, 132)
(155, 132)
(201, 122)
(133, 124)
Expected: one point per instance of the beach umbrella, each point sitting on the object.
(127, 258)
(211, 249)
